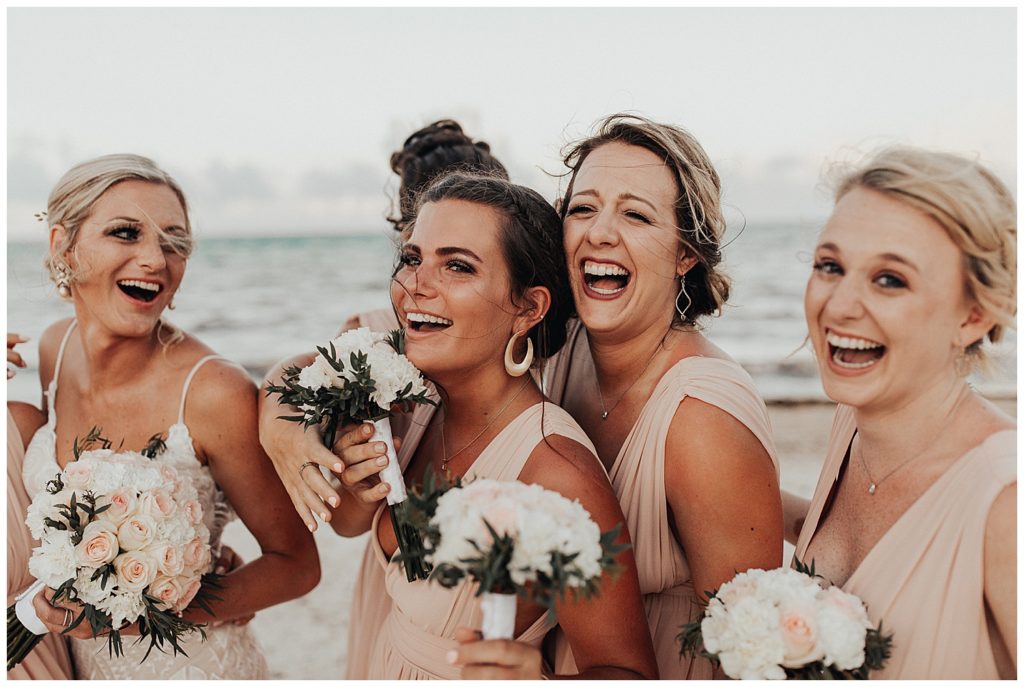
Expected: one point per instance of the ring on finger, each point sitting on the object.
(67, 618)
(306, 465)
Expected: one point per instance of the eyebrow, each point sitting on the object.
(894, 257)
(445, 251)
(623, 196)
(117, 220)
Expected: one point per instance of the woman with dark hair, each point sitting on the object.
(482, 291)
(677, 423)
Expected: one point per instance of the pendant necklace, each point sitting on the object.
(605, 412)
(445, 458)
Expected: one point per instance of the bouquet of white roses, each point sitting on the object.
(357, 378)
(517, 539)
(122, 536)
(781, 624)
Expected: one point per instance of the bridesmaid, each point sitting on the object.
(49, 660)
(481, 285)
(678, 424)
(915, 509)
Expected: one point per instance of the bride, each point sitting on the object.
(120, 239)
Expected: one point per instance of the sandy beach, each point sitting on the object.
(306, 638)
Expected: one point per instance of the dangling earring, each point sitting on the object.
(170, 306)
(682, 292)
(511, 366)
(63, 279)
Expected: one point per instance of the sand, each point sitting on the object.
(306, 638)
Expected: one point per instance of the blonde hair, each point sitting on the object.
(699, 216)
(972, 205)
(71, 202)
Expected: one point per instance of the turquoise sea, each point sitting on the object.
(258, 299)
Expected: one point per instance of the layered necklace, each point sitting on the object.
(445, 458)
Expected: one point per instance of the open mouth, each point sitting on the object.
(853, 353)
(138, 290)
(424, 322)
(605, 278)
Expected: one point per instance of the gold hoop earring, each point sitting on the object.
(511, 366)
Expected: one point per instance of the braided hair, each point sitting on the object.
(433, 150)
(531, 242)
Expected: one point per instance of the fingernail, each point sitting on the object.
(338, 467)
(220, 570)
(382, 447)
(384, 488)
(333, 501)
(311, 527)
(9, 374)
(323, 516)
(383, 460)
(452, 656)
(367, 430)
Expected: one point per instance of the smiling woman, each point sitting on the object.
(120, 239)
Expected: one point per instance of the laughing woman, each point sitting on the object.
(120, 239)
(678, 424)
(481, 284)
(915, 509)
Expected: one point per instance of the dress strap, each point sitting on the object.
(51, 391)
(188, 381)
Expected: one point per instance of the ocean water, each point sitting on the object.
(256, 300)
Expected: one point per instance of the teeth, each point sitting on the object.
(852, 366)
(148, 286)
(606, 292)
(423, 317)
(603, 269)
(851, 343)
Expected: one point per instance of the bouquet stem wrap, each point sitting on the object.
(24, 629)
(392, 474)
(499, 621)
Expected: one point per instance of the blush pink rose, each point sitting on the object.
(98, 546)
(169, 559)
(170, 475)
(168, 590)
(122, 503)
(194, 511)
(157, 503)
(78, 475)
(191, 588)
(799, 630)
(136, 532)
(135, 571)
(194, 552)
(850, 605)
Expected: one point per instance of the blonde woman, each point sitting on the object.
(915, 509)
(120, 239)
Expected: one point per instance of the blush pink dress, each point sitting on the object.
(419, 626)
(638, 477)
(924, 578)
(50, 659)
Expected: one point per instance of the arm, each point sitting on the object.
(28, 419)
(625, 653)
(13, 357)
(1001, 568)
(222, 416)
(794, 512)
(723, 495)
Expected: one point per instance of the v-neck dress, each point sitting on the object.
(924, 579)
(638, 478)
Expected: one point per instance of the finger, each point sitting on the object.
(358, 472)
(15, 358)
(466, 635)
(314, 481)
(372, 494)
(353, 435)
(303, 510)
(15, 339)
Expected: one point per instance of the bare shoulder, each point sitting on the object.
(704, 438)
(28, 419)
(219, 385)
(351, 323)
(49, 345)
(565, 465)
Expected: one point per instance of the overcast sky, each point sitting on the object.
(279, 121)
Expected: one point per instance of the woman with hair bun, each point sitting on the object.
(915, 508)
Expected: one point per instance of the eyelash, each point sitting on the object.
(411, 260)
(632, 214)
(830, 267)
(130, 229)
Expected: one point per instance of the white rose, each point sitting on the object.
(135, 571)
(799, 629)
(136, 532)
(167, 590)
(98, 545)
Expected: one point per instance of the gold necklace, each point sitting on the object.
(600, 394)
(445, 458)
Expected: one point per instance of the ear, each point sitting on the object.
(533, 306)
(974, 327)
(685, 263)
(58, 236)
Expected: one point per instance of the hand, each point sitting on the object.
(229, 561)
(494, 659)
(13, 357)
(58, 617)
(363, 462)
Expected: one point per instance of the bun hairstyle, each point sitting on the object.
(699, 218)
(531, 241)
(971, 204)
(436, 149)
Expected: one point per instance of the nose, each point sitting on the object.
(846, 300)
(603, 231)
(150, 254)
